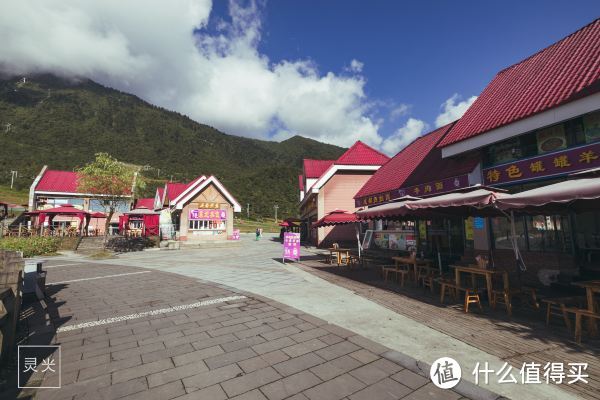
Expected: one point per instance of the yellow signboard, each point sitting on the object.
(422, 230)
(208, 205)
(469, 228)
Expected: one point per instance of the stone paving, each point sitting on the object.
(247, 348)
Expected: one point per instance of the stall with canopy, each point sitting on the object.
(64, 210)
(340, 217)
(139, 222)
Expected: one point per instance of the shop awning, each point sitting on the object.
(466, 201)
(336, 217)
(389, 210)
(572, 195)
(141, 211)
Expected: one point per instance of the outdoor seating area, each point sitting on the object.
(514, 320)
(492, 291)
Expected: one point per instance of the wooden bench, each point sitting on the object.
(579, 314)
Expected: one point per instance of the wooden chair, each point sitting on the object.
(447, 286)
(579, 314)
(427, 277)
(558, 307)
(472, 297)
(399, 271)
(505, 297)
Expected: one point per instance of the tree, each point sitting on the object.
(112, 182)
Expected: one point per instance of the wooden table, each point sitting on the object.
(339, 252)
(591, 287)
(487, 273)
(414, 262)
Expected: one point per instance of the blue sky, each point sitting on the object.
(417, 53)
(337, 71)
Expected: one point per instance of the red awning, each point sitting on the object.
(66, 209)
(471, 201)
(572, 195)
(98, 215)
(388, 210)
(336, 217)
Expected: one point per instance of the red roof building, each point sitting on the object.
(315, 168)
(361, 154)
(565, 72)
(53, 181)
(327, 185)
(55, 188)
(147, 202)
(417, 170)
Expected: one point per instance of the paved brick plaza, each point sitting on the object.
(249, 348)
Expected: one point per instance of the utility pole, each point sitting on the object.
(248, 210)
(275, 207)
(13, 175)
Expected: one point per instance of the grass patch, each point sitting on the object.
(31, 246)
(249, 226)
(13, 196)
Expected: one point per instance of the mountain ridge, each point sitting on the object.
(61, 123)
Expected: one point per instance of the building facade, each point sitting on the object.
(53, 188)
(330, 185)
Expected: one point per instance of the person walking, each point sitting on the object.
(257, 234)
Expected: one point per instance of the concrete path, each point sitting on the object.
(256, 267)
(127, 332)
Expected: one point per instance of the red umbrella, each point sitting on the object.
(336, 217)
(339, 217)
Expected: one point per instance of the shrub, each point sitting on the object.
(31, 246)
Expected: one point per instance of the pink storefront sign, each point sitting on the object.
(207, 214)
(291, 246)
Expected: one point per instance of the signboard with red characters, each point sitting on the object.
(558, 163)
(207, 215)
(423, 190)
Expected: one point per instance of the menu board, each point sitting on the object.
(393, 240)
(551, 139)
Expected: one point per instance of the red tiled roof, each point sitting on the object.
(147, 202)
(396, 171)
(315, 168)
(58, 181)
(361, 154)
(565, 71)
(175, 189)
(301, 182)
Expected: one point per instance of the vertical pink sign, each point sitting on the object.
(291, 246)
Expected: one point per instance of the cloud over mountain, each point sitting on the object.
(165, 53)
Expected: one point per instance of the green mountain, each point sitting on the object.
(48, 120)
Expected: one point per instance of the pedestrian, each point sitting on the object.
(257, 234)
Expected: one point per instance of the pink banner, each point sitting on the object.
(291, 246)
(207, 214)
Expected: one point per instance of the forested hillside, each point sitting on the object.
(47, 120)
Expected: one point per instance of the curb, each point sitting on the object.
(464, 388)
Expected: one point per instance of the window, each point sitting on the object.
(548, 233)
(98, 205)
(502, 234)
(203, 225)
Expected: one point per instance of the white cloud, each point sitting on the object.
(399, 111)
(404, 136)
(453, 109)
(356, 66)
(162, 52)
